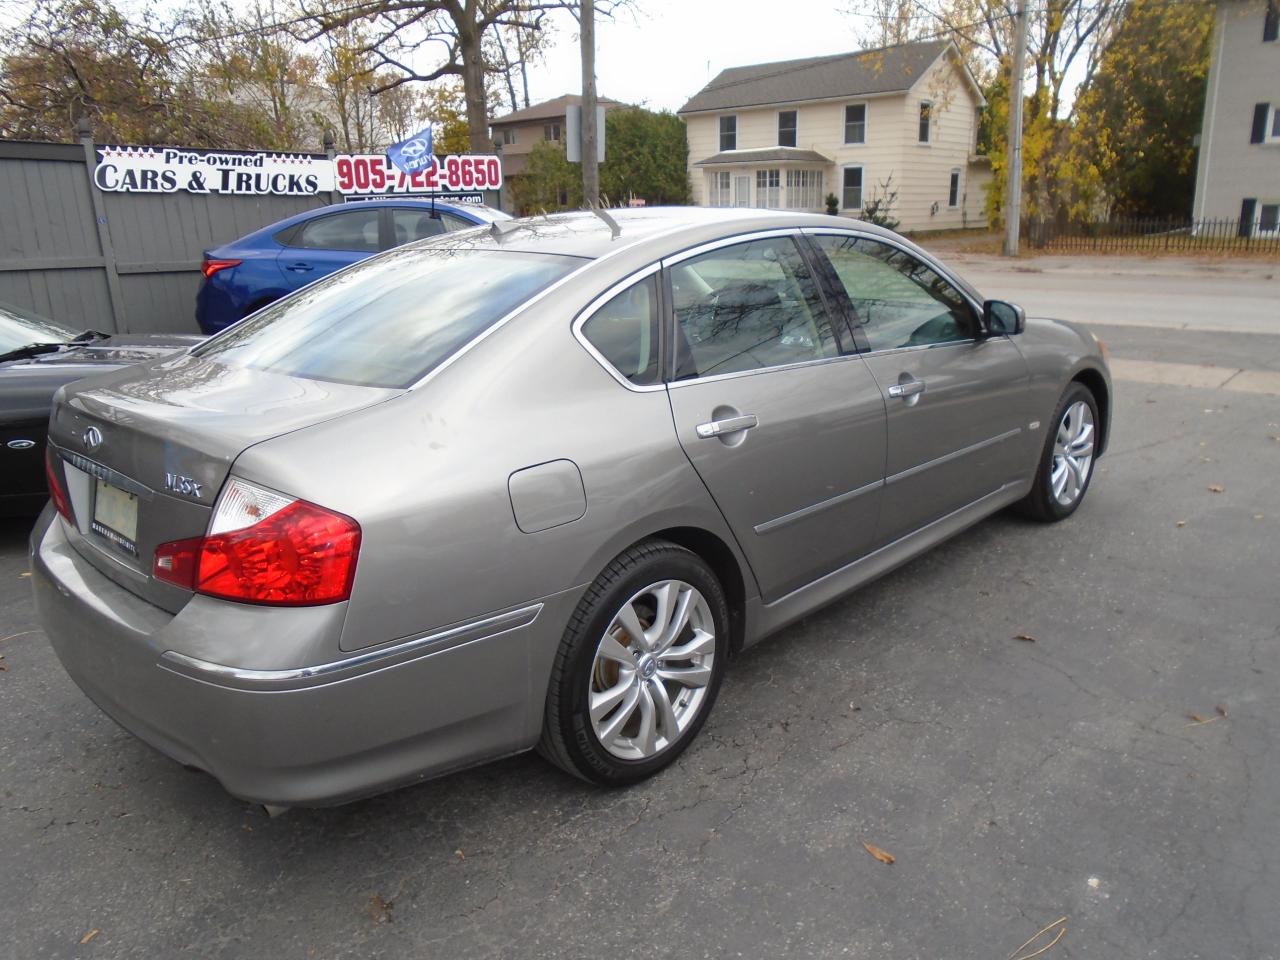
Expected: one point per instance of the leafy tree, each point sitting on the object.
(879, 208)
(1137, 117)
(646, 157)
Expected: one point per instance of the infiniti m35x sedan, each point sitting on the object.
(533, 485)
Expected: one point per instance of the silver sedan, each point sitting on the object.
(533, 485)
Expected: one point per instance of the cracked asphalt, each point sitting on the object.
(1014, 781)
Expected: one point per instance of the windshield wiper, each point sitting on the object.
(30, 350)
(90, 336)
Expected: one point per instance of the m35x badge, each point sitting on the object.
(182, 485)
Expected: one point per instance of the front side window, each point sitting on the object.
(852, 196)
(787, 128)
(898, 300)
(728, 133)
(926, 117)
(746, 307)
(389, 320)
(769, 188)
(855, 123)
(625, 332)
(353, 230)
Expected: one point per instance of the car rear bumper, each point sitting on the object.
(311, 735)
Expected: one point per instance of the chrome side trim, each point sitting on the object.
(804, 512)
(336, 670)
(953, 455)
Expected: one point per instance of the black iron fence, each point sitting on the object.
(1153, 236)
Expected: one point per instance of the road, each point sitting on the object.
(1121, 770)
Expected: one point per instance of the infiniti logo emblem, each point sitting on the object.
(92, 438)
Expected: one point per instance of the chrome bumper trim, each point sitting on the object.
(335, 670)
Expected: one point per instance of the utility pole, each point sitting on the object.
(590, 162)
(1013, 175)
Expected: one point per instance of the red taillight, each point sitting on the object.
(56, 491)
(299, 554)
(210, 267)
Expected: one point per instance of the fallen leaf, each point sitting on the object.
(1181, 523)
(1196, 718)
(23, 576)
(89, 936)
(1258, 516)
(1023, 636)
(2, 666)
(1222, 711)
(1216, 488)
(459, 854)
(1206, 459)
(379, 909)
(881, 855)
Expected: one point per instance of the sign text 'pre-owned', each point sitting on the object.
(170, 170)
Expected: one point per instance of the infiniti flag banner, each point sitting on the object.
(413, 154)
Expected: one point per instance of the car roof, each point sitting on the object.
(586, 234)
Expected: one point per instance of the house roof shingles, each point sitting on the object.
(861, 73)
(550, 109)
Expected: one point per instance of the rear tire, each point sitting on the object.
(639, 666)
(1066, 462)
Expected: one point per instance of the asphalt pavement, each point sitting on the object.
(1121, 770)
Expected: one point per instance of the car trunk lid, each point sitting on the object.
(145, 451)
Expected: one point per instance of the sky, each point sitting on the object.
(662, 52)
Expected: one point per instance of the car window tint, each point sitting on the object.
(410, 225)
(899, 301)
(746, 307)
(390, 319)
(355, 230)
(625, 332)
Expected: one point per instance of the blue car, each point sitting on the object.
(247, 274)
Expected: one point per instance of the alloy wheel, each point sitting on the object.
(1072, 454)
(652, 669)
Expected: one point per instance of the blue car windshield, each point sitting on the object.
(389, 320)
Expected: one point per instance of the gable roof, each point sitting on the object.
(860, 73)
(550, 109)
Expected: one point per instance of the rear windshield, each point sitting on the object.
(389, 320)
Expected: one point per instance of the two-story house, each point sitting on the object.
(516, 134)
(857, 125)
(1238, 171)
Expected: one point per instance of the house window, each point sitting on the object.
(1269, 219)
(551, 131)
(718, 188)
(804, 189)
(855, 123)
(729, 133)
(852, 198)
(787, 128)
(1271, 22)
(953, 191)
(926, 117)
(1266, 124)
(508, 136)
(769, 188)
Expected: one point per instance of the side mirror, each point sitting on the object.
(1001, 319)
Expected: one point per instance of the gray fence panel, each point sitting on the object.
(51, 255)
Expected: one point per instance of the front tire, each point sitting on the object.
(639, 666)
(1066, 463)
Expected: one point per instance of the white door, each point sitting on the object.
(742, 190)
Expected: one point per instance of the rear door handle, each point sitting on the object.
(300, 267)
(908, 389)
(722, 428)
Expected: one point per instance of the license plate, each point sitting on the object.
(115, 516)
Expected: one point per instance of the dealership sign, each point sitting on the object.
(170, 170)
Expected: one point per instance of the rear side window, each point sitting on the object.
(388, 320)
(354, 230)
(625, 332)
(745, 307)
(410, 225)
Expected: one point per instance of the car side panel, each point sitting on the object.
(1056, 352)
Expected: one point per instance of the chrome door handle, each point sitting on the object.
(908, 389)
(722, 428)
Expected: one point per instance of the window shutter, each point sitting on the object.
(1247, 210)
(1259, 132)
